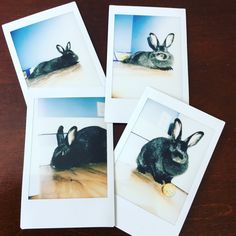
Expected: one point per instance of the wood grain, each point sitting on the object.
(211, 50)
(82, 182)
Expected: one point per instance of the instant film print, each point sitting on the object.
(160, 161)
(146, 47)
(52, 52)
(68, 165)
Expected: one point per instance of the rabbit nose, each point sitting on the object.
(75, 57)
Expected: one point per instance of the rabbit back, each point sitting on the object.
(89, 146)
(151, 154)
(160, 58)
(141, 58)
(46, 67)
(150, 60)
(67, 59)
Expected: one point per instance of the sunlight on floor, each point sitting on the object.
(68, 77)
(144, 192)
(89, 181)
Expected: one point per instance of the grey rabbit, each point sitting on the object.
(67, 59)
(160, 58)
(165, 158)
(78, 148)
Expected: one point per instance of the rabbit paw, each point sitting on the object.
(141, 169)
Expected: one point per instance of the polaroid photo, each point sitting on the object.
(68, 178)
(51, 51)
(160, 160)
(147, 46)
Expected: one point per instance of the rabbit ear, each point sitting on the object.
(60, 49)
(60, 136)
(169, 40)
(71, 135)
(68, 46)
(177, 129)
(194, 138)
(153, 41)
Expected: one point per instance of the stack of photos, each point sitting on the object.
(160, 160)
(68, 178)
(147, 46)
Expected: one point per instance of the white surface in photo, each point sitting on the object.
(134, 208)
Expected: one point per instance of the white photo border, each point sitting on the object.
(119, 110)
(64, 213)
(45, 15)
(130, 217)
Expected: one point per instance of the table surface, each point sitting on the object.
(211, 46)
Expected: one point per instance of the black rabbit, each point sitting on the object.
(67, 59)
(159, 58)
(78, 148)
(165, 158)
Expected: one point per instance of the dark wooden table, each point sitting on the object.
(211, 53)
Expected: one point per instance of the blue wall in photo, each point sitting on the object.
(37, 42)
(123, 33)
(131, 31)
(69, 107)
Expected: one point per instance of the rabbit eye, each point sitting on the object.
(162, 56)
(177, 154)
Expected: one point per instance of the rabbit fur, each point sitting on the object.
(165, 158)
(78, 148)
(160, 58)
(67, 59)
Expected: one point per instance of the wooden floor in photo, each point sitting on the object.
(82, 182)
(143, 191)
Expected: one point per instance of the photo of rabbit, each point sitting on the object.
(79, 148)
(46, 58)
(147, 50)
(165, 158)
(68, 58)
(160, 58)
(70, 154)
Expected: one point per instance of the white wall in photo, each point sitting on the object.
(131, 150)
(154, 120)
